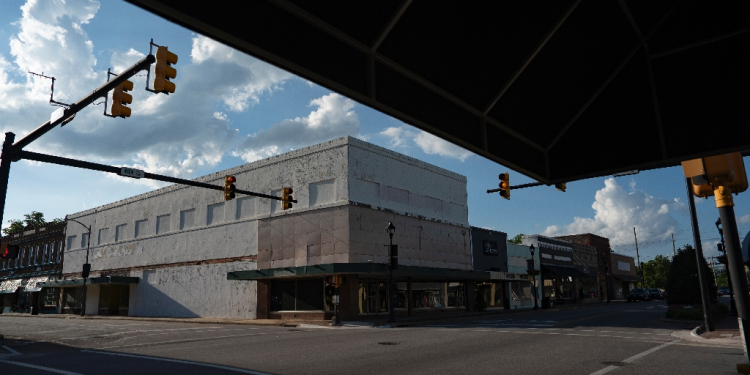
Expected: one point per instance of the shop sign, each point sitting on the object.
(490, 248)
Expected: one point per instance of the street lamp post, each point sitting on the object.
(391, 293)
(606, 276)
(533, 272)
(86, 266)
(732, 306)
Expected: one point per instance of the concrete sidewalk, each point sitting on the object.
(367, 321)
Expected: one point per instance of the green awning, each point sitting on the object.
(372, 269)
(93, 280)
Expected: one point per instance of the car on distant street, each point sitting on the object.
(655, 293)
(723, 291)
(639, 294)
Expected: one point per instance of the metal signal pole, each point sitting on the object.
(708, 319)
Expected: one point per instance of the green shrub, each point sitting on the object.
(685, 314)
(682, 281)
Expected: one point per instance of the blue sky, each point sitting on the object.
(230, 109)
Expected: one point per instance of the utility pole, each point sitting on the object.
(708, 320)
(674, 251)
(638, 256)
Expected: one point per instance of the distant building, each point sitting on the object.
(568, 273)
(603, 251)
(40, 259)
(509, 286)
(624, 275)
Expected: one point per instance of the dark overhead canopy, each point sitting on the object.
(558, 90)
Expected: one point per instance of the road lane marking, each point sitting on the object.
(181, 361)
(48, 369)
(635, 357)
(10, 350)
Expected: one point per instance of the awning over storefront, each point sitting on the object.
(10, 286)
(565, 271)
(363, 269)
(93, 280)
(626, 278)
(33, 284)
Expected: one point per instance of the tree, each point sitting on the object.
(517, 239)
(721, 278)
(682, 281)
(655, 272)
(30, 220)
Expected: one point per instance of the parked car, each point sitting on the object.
(724, 291)
(639, 294)
(664, 294)
(655, 293)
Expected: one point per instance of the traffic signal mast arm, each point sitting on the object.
(74, 108)
(517, 187)
(28, 155)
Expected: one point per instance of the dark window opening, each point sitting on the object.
(297, 295)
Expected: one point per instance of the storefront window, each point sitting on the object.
(521, 292)
(72, 300)
(49, 298)
(114, 299)
(297, 295)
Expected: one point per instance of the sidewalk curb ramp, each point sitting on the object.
(694, 336)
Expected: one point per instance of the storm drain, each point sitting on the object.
(618, 364)
(388, 343)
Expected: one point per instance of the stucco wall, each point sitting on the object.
(194, 291)
(389, 181)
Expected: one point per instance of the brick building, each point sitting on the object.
(40, 259)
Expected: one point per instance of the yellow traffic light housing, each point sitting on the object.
(286, 197)
(229, 187)
(561, 186)
(120, 98)
(709, 173)
(505, 185)
(163, 70)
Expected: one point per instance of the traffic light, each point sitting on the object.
(560, 186)
(505, 185)
(120, 98)
(229, 187)
(163, 70)
(287, 198)
(8, 251)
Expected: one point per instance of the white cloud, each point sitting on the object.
(618, 211)
(332, 119)
(744, 219)
(248, 76)
(180, 134)
(404, 136)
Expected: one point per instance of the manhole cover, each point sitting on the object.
(388, 343)
(618, 364)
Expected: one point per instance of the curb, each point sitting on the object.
(255, 322)
(296, 323)
(694, 336)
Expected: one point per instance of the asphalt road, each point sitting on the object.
(613, 339)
